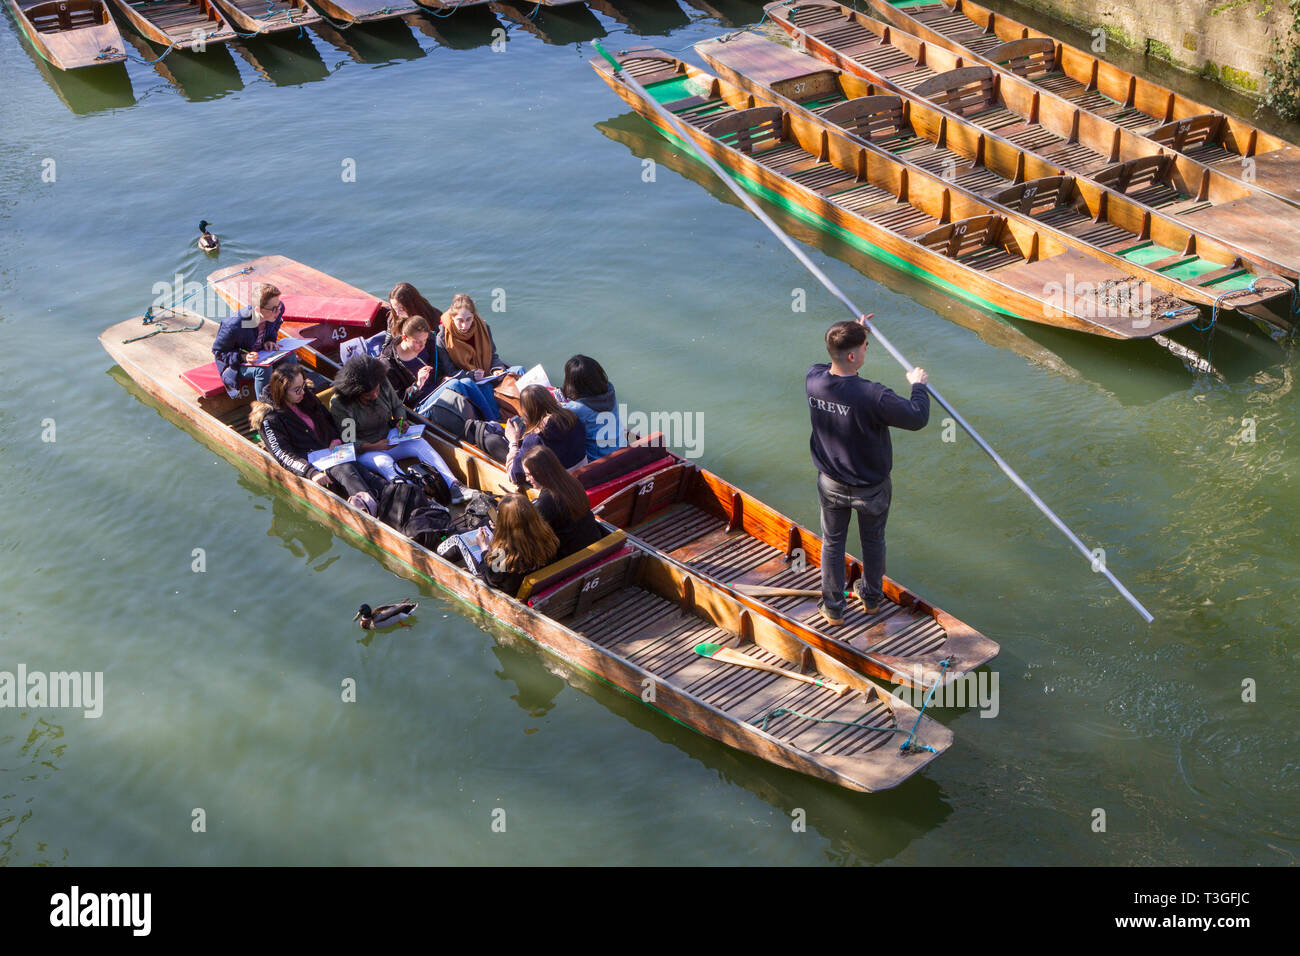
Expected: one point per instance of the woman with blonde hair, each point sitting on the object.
(544, 422)
(464, 342)
(522, 542)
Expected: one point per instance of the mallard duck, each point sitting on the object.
(386, 615)
(207, 241)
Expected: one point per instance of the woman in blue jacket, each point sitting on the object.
(251, 329)
(591, 397)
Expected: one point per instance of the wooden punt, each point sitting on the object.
(444, 7)
(268, 16)
(1080, 143)
(552, 24)
(183, 24)
(348, 12)
(1111, 226)
(1005, 263)
(1167, 119)
(631, 621)
(718, 532)
(70, 34)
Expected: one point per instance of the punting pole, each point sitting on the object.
(752, 205)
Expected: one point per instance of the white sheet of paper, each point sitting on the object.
(534, 376)
(329, 457)
(350, 348)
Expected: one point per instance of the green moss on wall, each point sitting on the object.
(1239, 78)
(1159, 51)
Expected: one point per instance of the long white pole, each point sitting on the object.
(752, 205)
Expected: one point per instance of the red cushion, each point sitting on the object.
(206, 380)
(337, 310)
(600, 492)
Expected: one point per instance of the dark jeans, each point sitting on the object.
(838, 502)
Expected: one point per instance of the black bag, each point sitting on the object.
(477, 514)
(435, 486)
(402, 505)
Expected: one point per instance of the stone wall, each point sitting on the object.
(1231, 46)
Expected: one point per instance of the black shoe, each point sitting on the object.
(870, 606)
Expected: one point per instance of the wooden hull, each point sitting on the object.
(647, 655)
(1080, 78)
(450, 6)
(183, 24)
(1078, 142)
(267, 16)
(919, 223)
(365, 11)
(70, 34)
(1099, 222)
(715, 530)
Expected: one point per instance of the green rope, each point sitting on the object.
(907, 744)
(162, 329)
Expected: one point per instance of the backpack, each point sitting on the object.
(403, 506)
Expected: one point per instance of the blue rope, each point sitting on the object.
(907, 744)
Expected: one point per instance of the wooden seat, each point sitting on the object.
(1032, 57)
(876, 119)
(1191, 133)
(745, 129)
(974, 241)
(559, 571)
(966, 90)
(1135, 174)
(1037, 196)
(205, 379)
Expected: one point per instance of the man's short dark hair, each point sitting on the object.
(844, 337)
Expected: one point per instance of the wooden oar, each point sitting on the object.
(729, 656)
(763, 590)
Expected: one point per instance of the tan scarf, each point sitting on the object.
(474, 351)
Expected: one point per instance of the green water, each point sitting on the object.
(520, 171)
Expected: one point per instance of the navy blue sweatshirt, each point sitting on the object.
(851, 417)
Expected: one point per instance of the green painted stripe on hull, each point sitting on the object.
(857, 242)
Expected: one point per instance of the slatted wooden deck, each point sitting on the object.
(655, 634)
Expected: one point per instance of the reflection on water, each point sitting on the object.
(89, 90)
(643, 17)
(467, 29)
(387, 41)
(731, 13)
(196, 76)
(286, 59)
(1136, 372)
(23, 768)
(559, 26)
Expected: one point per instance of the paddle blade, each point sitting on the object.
(706, 649)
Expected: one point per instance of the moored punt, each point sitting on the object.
(444, 7)
(739, 544)
(183, 24)
(1166, 118)
(1081, 143)
(1086, 216)
(627, 616)
(70, 34)
(365, 11)
(268, 16)
(1005, 263)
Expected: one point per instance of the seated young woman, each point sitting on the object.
(294, 423)
(242, 334)
(412, 374)
(522, 542)
(591, 397)
(464, 342)
(544, 422)
(405, 302)
(365, 407)
(562, 501)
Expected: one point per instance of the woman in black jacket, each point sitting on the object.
(562, 501)
(294, 423)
